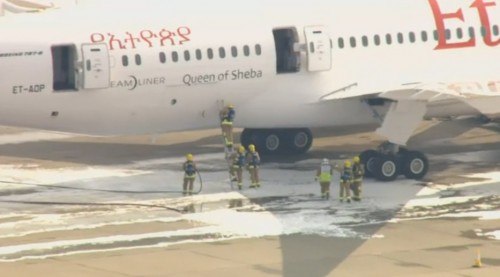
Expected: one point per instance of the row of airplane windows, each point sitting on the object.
(198, 54)
(175, 56)
(412, 37)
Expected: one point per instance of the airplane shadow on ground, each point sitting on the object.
(102, 152)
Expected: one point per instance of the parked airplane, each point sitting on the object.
(128, 68)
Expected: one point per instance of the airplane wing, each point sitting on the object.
(409, 102)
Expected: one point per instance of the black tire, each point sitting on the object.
(246, 137)
(270, 142)
(415, 165)
(366, 157)
(387, 168)
(297, 141)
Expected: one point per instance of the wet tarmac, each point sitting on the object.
(55, 206)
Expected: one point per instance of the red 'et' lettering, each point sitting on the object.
(440, 17)
(485, 20)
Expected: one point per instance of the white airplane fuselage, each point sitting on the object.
(113, 71)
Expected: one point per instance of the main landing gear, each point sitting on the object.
(390, 160)
(278, 141)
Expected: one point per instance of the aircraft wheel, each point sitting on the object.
(367, 158)
(298, 141)
(386, 168)
(271, 142)
(415, 165)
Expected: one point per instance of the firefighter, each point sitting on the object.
(324, 174)
(230, 154)
(358, 171)
(237, 166)
(227, 117)
(189, 168)
(253, 161)
(345, 182)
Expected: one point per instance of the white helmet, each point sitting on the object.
(325, 161)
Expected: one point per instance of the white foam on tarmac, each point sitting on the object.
(488, 178)
(55, 223)
(32, 174)
(259, 224)
(44, 246)
(439, 201)
(224, 224)
(491, 178)
(494, 235)
(297, 213)
(482, 215)
(31, 137)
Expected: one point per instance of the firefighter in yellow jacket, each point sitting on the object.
(237, 165)
(253, 161)
(358, 171)
(345, 182)
(227, 117)
(189, 168)
(324, 174)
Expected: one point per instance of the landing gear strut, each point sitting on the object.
(278, 141)
(390, 160)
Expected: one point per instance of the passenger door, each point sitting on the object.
(96, 66)
(319, 51)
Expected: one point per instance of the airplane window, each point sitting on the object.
(341, 43)
(376, 39)
(460, 33)
(138, 60)
(388, 39)
(472, 33)
(352, 41)
(222, 52)
(210, 53)
(175, 56)
(187, 55)
(495, 30)
(258, 49)
(400, 38)
(163, 58)
(483, 31)
(365, 41)
(198, 54)
(125, 60)
(447, 33)
(423, 35)
(246, 50)
(436, 35)
(234, 51)
(412, 37)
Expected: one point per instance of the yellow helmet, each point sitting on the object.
(230, 105)
(356, 159)
(347, 163)
(189, 157)
(251, 147)
(241, 149)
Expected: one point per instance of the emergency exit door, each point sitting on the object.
(319, 51)
(95, 66)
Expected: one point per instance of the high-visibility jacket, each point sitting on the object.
(325, 173)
